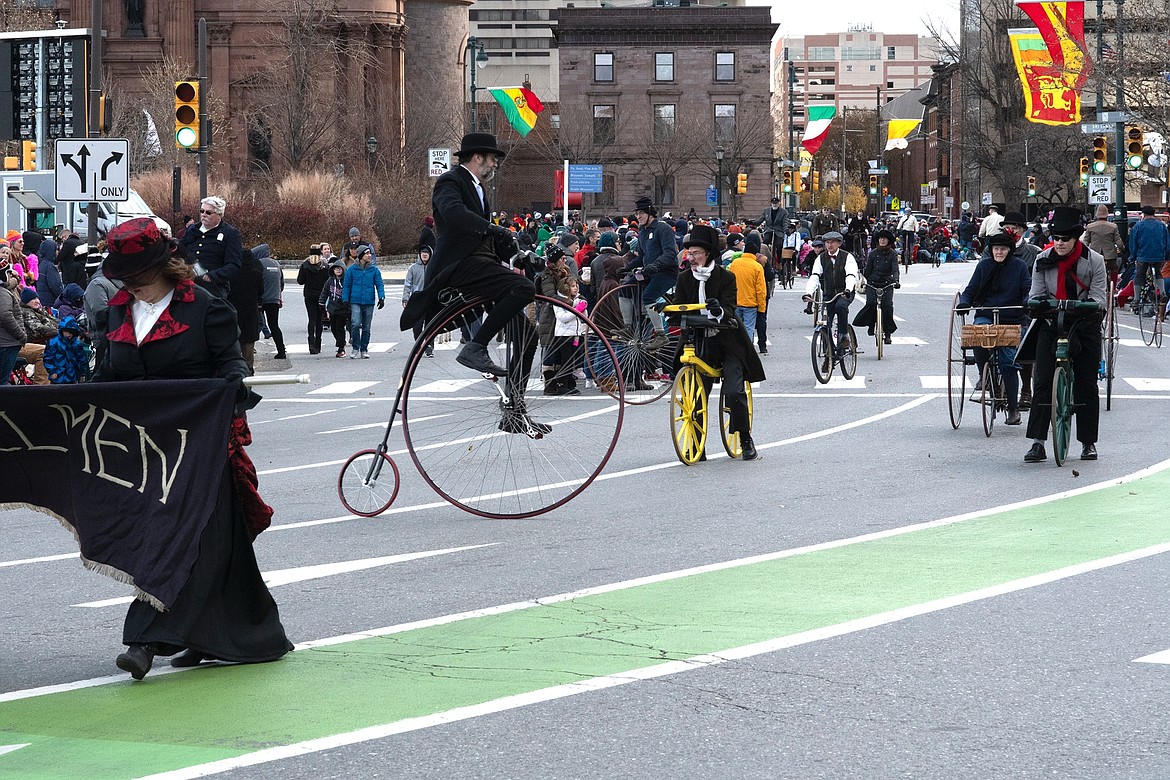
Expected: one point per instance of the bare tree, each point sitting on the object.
(21, 15)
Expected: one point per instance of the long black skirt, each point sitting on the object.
(225, 610)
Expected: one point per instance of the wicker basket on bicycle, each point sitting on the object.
(990, 336)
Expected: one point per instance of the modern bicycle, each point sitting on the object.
(688, 399)
(828, 352)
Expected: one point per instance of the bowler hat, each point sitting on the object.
(1001, 239)
(1015, 218)
(482, 143)
(1066, 221)
(135, 246)
(703, 236)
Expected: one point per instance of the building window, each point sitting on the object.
(725, 66)
(603, 66)
(873, 68)
(725, 123)
(664, 190)
(891, 53)
(664, 122)
(604, 125)
(664, 66)
(822, 52)
(889, 85)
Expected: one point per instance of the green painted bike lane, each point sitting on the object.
(168, 722)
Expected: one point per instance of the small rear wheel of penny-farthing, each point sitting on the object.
(368, 483)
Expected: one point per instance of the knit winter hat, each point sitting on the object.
(27, 295)
(751, 243)
(607, 240)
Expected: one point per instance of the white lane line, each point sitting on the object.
(1155, 384)
(46, 690)
(1132, 343)
(280, 577)
(841, 383)
(381, 424)
(445, 385)
(9, 748)
(299, 416)
(1161, 657)
(651, 672)
(42, 559)
(338, 388)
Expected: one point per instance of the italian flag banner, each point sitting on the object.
(520, 106)
(819, 119)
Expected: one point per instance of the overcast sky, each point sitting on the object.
(798, 17)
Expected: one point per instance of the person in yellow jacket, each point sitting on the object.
(751, 291)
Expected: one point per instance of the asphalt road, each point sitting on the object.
(807, 615)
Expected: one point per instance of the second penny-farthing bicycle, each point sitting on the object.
(493, 446)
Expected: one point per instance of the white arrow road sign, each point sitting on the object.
(92, 169)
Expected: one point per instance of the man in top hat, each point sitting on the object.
(1069, 270)
(659, 255)
(471, 255)
(774, 226)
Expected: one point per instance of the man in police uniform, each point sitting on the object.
(214, 248)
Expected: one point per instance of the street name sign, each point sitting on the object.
(92, 169)
(585, 178)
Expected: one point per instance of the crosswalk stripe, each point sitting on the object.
(339, 388)
(1148, 383)
(841, 383)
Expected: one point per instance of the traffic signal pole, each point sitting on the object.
(204, 129)
(1122, 221)
(95, 100)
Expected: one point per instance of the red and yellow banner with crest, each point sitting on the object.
(1052, 61)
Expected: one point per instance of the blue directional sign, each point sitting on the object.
(585, 178)
(712, 195)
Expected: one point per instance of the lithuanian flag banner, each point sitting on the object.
(520, 106)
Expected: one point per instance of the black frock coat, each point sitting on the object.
(735, 341)
(461, 225)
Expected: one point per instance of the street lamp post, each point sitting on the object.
(477, 57)
(719, 181)
(372, 152)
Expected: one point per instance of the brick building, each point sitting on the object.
(647, 96)
(387, 49)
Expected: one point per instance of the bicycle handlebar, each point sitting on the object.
(1045, 305)
(678, 308)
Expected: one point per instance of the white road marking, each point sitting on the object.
(654, 671)
(950, 286)
(841, 383)
(317, 571)
(298, 416)
(1131, 343)
(1155, 384)
(1161, 657)
(445, 385)
(9, 748)
(340, 388)
(909, 341)
(382, 346)
(367, 426)
(42, 559)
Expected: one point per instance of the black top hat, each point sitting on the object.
(1066, 221)
(483, 143)
(135, 246)
(1001, 239)
(704, 236)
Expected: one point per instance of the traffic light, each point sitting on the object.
(885, 192)
(1135, 139)
(11, 163)
(816, 180)
(1031, 186)
(187, 114)
(1100, 154)
(28, 155)
(1084, 171)
(741, 184)
(788, 181)
(798, 183)
(873, 185)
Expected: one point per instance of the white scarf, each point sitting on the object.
(702, 274)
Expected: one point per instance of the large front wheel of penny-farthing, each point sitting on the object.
(688, 415)
(368, 483)
(731, 442)
(1062, 412)
(645, 359)
(822, 354)
(508, 447)
(957, 362)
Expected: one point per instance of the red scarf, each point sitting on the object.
(1064, 268)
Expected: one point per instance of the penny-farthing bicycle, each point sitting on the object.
(493, 446)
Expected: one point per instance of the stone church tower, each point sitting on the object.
(382, 62)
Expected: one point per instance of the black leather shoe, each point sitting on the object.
(1013, 418)
(136, 660)
(475, 356)
(1089, 452)
(1036, 454)
(749, 447)
(190, 658)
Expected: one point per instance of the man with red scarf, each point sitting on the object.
(1068, 270)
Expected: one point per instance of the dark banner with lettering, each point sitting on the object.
(132, 468)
